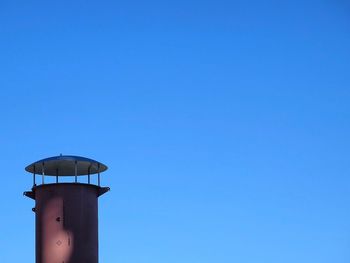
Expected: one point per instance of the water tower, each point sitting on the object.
(66, 213)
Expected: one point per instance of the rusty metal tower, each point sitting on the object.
(66, 213)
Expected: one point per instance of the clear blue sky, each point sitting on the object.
(225, 124)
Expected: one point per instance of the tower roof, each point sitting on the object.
(66, 165)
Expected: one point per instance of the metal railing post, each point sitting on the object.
(99, 179)
(76, 171)
(34, 177)
(43, 174)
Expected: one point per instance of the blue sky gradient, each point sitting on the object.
(225, 124)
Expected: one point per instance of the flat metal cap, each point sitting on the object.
(66, 165)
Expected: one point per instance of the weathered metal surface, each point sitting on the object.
(66, 222)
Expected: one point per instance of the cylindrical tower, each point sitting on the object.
(66, 213)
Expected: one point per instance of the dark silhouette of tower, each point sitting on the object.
(66, 213)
